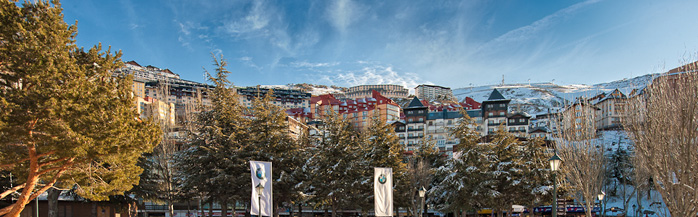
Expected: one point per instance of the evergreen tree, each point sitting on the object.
(504, 171)
(215, 158)
(63, 117)
(271, 141)
(536, 180)
(380, 148)
(461, 180)
(332, 163)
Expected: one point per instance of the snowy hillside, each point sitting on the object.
(314, 90)
(539, 97)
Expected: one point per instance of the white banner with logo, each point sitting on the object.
(261, 176)
(383, 191)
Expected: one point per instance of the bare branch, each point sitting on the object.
(12, 190)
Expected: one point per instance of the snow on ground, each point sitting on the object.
(320, 91)
(538, 97)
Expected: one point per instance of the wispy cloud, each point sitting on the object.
(190, 31)
(304, 64)
(373, 75)
(343, 13)
(134, 26)
(247, 61)
(529, 31)
(257, 19)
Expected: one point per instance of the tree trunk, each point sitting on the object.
(94, 209)
(210, 208)
(53, 202)
(300, 209)
(32, 179)
(201, 208)
(275, 212)
(135, 209)
(224, 207)
(334, 208)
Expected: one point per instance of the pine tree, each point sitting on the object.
(215, 158)
(536, 180)
(333, 161)
(380, 147)
(505, 171)
(63, 117)
(461, 179)
(271, 141)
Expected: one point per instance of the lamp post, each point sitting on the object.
(422, 192)
(555, 162)
(260, 190)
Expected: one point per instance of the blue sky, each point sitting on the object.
(347, 42)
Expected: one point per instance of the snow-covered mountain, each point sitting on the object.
(537, 98)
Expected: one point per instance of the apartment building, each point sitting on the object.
(386, 90)
(611, 110)
(359, 111)
(283, 97)
(433, 92)
(156, 110)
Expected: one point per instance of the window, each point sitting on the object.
(578, 114)
(501, 113)
(491, 114)
(490, 129)
(490, 106)
(409, 112)
(365, 113)
(511, 121)
(522, 120)
(421, 119)
(490, 122)
(522, 129)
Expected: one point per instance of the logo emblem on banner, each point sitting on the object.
(259, 173)
(382, 179)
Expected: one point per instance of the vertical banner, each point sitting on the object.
(261, 176)
(383, 191)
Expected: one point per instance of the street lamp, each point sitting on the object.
(422, 192)
(260, 189)
(555, 162)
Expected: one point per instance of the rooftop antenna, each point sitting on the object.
(502, 80)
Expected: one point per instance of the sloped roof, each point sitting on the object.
(615, 94)
(415, 103)
(495, 95)
(540, 129)
(521, 114)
